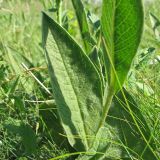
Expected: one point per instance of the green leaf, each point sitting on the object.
(83, 25)
(121, 25)
(13, 86)
(28, 138)
(15, 59)
(25, 132)
(120, 137)
(58, 7)
(95, 57)
(12, 125)
(75, 82)
(155, 22)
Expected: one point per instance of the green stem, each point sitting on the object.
(107, 104)
(109, 89)
(58, 6)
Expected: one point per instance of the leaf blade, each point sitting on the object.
(75, 82)
(121, 25)
(83, 25)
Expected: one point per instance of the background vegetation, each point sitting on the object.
(25, 103)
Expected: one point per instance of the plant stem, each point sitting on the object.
(107, 103)
(109, 89)
(58, 6)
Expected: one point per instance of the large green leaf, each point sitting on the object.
(120, 138)
(121, 24)
(76, 84)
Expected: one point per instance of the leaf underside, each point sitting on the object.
(75, 82)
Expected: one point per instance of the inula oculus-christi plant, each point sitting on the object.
(99, 117)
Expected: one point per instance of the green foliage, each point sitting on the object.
(52, 124)
(120, 130)
(25, 132)
(121, 25)
(83, 25)
(20, 42)
(104, 121)
(69, 69)
(120, 137)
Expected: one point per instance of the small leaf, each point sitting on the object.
(121, 25)
(28, 138)
(13, 87)
(25, 132)
(83, 25)
(75, 82)
(12, 125)
(155, 22)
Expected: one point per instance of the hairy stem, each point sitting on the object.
(109, 89)
(106, 106)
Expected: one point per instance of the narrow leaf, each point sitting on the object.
(83, 25)
(155, 22)
(15, 59)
